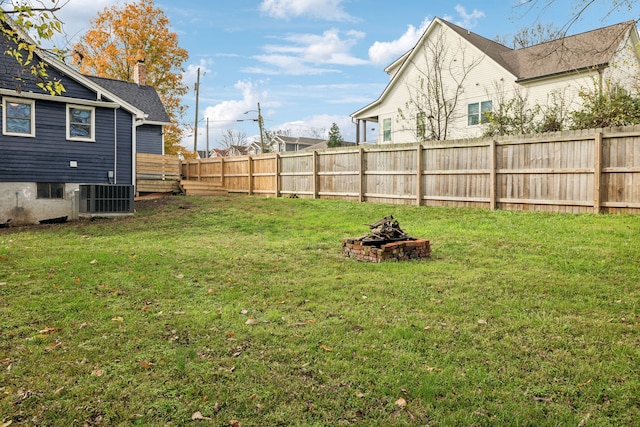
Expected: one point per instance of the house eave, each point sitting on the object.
(59, 98)
(598, 67)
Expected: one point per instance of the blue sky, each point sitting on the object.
(311, 63)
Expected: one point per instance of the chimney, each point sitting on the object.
(140, 73)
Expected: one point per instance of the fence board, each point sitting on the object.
(579, 171)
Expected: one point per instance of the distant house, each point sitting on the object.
(283, 143)
(477, 73)
(51, 145)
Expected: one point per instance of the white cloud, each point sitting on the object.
(307, 54)
(190, 74)
(226, 112)
(466, 20)
(329, 10)
(382, 53)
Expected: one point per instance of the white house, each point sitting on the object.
(443, 85)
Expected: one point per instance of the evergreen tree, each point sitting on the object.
(335, 138)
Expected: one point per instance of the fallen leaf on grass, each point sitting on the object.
(3, 283)
(7, 424)
(118, 319)
(198, 416)
(54, 345)
(145, 365)
(211, 291)
(401, 403)
(235, 423)
(93, 261)
(97, 372)
(325, 348)
(48, 330)
(251, 321)
(482, 322)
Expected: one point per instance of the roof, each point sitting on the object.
(592, 49)
(578, 52)
(299, 140)
(143, 97)
(142, 101)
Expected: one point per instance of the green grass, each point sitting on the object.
(242, 308)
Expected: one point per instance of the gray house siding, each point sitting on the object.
(147, 139)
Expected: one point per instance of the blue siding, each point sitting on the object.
(125, 148)
(11, 71)
(47, 157)
(149, 139)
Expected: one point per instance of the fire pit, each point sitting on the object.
(386, 242)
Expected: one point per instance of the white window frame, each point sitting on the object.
(32, 103)
(92, 137)
(480, 115)
(386, 130)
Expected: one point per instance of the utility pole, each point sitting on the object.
(195, 128)
(261, 126)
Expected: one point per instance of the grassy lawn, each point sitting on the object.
(242, 311)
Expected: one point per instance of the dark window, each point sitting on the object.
(50, 190)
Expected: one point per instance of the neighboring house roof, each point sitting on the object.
(592, 49)
(324, 145)
(143, 97)
(301, 140)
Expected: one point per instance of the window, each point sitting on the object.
(50, 190)
(18, 117)
(477, 112)
(386, 130)
(80, 123)
(421, 125)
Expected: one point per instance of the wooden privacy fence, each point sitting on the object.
(156, 173)
(577, 171)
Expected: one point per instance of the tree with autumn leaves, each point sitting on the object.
(120, 37)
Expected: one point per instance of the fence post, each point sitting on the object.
(597, 172)
(199, 169)
(419, 175)
(250, 174)
(361, 174)
(222, 173)
(493, 181)
(277, 169)
(315, 174)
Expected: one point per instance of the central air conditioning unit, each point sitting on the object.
(103, 199)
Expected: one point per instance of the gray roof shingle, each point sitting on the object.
(144, 98)
(578, 52)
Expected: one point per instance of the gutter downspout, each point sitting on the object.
(115, 146)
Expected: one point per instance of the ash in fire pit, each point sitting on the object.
(386, 241)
